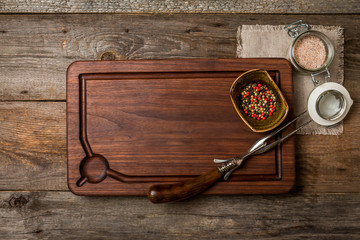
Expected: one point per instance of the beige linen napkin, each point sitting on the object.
(273, 41)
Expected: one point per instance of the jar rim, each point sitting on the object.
(339, 113)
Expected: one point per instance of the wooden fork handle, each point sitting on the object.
(163, 193)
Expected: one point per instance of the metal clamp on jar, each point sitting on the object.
(311, 53)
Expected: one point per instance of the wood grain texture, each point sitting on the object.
(32, 145)
(37, 49)
(62, 215)
(323, 163)
(193, 6)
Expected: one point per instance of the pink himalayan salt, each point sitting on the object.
(310, 52)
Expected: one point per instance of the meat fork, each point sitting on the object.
(260, 146)
(162, 193)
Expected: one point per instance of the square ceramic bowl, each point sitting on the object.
(263, 77)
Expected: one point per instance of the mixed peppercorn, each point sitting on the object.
(258, 101)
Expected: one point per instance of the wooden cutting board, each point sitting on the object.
(154, 121)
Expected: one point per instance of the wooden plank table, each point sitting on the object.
(35, 203)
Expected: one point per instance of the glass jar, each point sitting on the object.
(311, 52)
(329, 103)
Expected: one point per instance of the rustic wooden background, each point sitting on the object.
(35, 51)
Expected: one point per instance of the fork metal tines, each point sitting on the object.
(258, 147)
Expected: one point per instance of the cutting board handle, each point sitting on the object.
(162, 193)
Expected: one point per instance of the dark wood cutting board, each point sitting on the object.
(157, 121)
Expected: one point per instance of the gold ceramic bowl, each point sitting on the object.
(262, 76)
